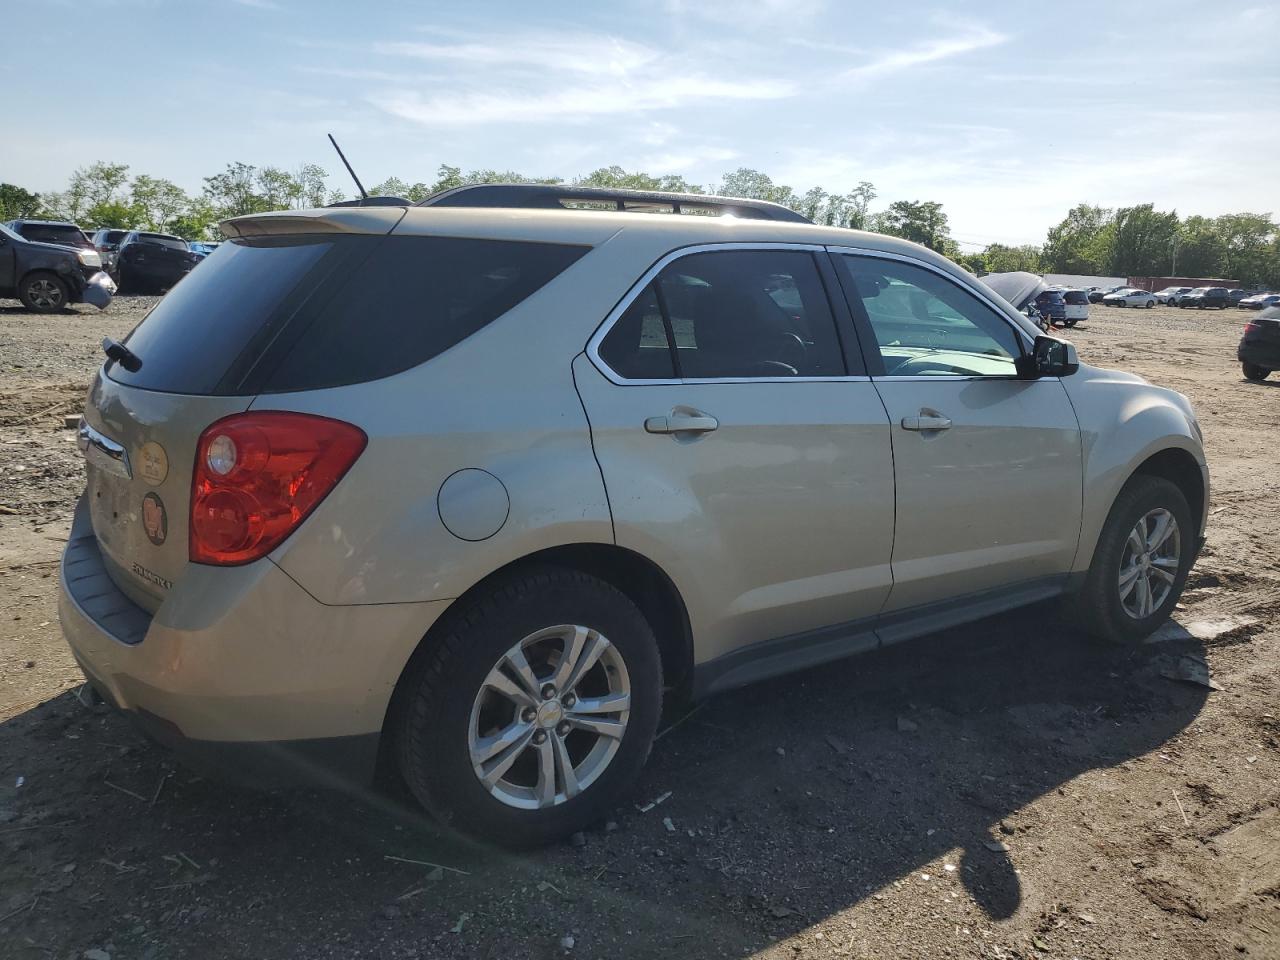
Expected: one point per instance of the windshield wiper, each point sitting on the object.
(121, 354)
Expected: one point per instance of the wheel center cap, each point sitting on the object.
(550, 713)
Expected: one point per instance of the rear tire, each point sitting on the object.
(1254, 372)
(44, 292)
(1150, 304)
(1112, 605)
(454, 714)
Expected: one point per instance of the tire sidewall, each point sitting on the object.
(437, 759)
(1142, 495)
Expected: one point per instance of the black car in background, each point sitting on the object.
(47, 277)
(1202, 297)
(107, 242)
(1235, 296)
(51, 231)
(1097, 293)
(152, 262)
(1052, 306)
(1259, 350)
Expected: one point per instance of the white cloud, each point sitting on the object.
(661, 91)
(750, 15)
(930, 51)
(593, 54)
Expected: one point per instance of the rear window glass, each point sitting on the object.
(173, 243)
(1076, 297)
(52, 233)
(275, 315)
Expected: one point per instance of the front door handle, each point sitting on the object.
(681, 423)
(926, 423)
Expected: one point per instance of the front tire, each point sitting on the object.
(1254, 372)
(44, 292)
(1150, 304)
(1140, 564)
(534, 710)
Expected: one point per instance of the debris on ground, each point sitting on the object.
(1191, 668)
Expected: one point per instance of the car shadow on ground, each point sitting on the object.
(778, 805)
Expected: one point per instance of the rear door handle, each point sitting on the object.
(926, 423)
(681, 423)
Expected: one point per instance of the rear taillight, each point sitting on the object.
(258, 475)
(1252, 327)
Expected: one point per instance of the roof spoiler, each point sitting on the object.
(554, 196)
(372, 202)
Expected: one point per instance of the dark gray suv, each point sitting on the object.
(47, 277)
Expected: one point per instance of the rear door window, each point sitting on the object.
(731, 314)
(275, 314)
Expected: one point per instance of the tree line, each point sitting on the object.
(1091, 240)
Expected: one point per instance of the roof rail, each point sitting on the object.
(553, 196)
(372, 202)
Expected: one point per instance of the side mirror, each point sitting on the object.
(1049, 357)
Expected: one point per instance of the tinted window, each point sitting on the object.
(410, 300)
(926, 325)
(194, 335)
(636, 347)
(1075, 297)
(749, 313)
(302, 313)
(64, 234)
(173, 243)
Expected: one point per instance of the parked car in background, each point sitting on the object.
(1130, 297)
(60, 232)
(201, 248)
(47, 277)
(1170, 295)
(1259, 301)
(1076, 305)
(1259, 350)
(152, 262)
(323, 557)
(1097, 293)
(107, 242)
(1202, 297)
(1053, 309)
(1236, 295)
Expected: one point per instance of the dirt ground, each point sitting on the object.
(1003, 790)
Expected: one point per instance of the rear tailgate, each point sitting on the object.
(139, 448)
(197, 348)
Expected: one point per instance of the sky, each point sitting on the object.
(1008, 115)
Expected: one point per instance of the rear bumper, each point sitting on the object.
(1262, 354)
(240, 670)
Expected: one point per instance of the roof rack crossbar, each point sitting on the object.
(552, 196)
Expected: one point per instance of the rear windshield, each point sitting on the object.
(279, 314)
(66, 235)
(1075, 297)
(173, 243)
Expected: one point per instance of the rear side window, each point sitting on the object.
(733, 314)
(275, 314)
(412, 299)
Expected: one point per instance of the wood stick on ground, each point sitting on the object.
(425, 863)
(116, 786)
(1180, 810)
(29, 906)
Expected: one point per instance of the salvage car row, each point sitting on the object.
(135, 261)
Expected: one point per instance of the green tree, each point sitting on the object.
(234, 192)
(920, 221)
(395, 187)
(16, 202)
(616, 178)
(999, 258)
(1142, 241)
(115, 214)
(1080, 243)
(1248, 244)
(196, 220)
(1198, 249)
(751, 184)
(157, 202)
(97, 185)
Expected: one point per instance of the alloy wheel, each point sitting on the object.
(45, 294)
(549, 717)
(1149, 563)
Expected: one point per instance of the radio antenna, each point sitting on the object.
(364, 194)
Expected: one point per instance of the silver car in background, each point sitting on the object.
(471, 485)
